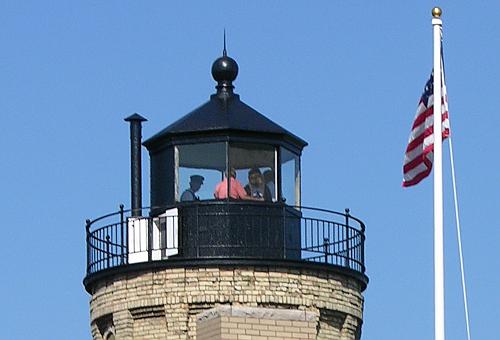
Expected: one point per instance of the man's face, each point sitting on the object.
(196, 185)
(255, 179)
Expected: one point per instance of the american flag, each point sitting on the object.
(419, 152)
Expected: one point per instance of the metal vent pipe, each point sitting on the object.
(135, 162)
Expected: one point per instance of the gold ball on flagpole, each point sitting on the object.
(436, 12)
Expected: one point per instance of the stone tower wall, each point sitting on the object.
(166, 303)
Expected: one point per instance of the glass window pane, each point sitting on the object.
(290, 177)
(200, 168)
(251, 162)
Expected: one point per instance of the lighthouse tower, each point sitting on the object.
(226, 250)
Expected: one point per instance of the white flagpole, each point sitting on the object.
(438, 183)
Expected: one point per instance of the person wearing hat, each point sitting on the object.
(194, 185)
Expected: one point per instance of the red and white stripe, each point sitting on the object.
(419, 152)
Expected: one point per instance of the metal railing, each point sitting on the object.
(226, 229)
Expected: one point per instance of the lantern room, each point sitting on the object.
(225, 150)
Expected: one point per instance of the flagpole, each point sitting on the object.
(438, 183)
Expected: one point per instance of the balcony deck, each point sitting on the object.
(225, 232)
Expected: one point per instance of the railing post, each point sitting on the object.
(197, 231)
(284, 231)
(107, 252)
(122, 231)
(87, 231)
(150, 240)
(347, 250)
(325, 248)
(363, 247)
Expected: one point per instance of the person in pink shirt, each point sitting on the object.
(236, 190)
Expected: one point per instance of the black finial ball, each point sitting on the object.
(224, 69)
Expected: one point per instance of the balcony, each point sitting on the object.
(225, 232)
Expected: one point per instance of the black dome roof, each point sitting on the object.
(224, 112)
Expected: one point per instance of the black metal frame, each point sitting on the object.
(163, 178)
(326, 237)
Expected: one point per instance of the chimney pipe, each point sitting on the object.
(135, 162)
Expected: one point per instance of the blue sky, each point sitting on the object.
(345, 76)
